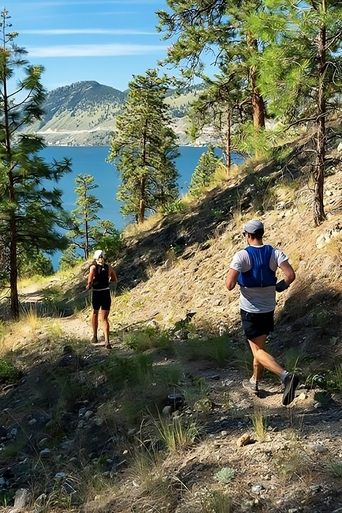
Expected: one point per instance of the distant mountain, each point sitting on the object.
(84, 113)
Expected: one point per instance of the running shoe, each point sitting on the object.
(251, 385)
(291, 382)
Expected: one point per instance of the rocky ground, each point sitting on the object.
(291, 462)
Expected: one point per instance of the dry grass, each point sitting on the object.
(294, 464)
(35, 281)
(216, 501)
(146, 468)
(176, 434)
(259, 421)
(134, 229)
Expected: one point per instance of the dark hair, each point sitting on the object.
(258, 234)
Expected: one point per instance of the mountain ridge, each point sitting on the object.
(84, 114)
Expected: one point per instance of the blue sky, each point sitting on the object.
(103, 40)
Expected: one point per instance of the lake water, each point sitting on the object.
(92, 161)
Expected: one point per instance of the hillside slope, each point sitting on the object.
(89, 431)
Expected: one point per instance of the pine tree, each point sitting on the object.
(217, 28)
(108, 238)
(218, 106)
(144, 148)
(204, 171)
(88, 230)
(29, 211)
(85, 214)
(300, 70)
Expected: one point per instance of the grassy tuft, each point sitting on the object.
(54, 329)
(135, 370)
(335, 469)
(259, 421)
(145, 468)
(293, 464)
(334, 379)
(147, 338)
(176, 434)
(216, 501)
(8, 372)
(215, 349)
(294, 359)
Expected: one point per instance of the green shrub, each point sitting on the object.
(135, 370)
(8, 372)
(216, 501)
(143, 387)
(334, 379)
(294, 359)
(225, 475)
(34, 262)
(204, 172)
(174, 207)
(146, 338)
(335, 469)
(216, 349)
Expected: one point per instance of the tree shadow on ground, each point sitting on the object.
(311, 321)
(185, 234)
(57, 392)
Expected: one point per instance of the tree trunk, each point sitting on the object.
(142, 203)
(228, 144)
(12, 214)
(86, 239)
(258, 105)
(141, 215)
(13, 267)
(319, 167)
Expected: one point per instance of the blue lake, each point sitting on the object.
(91, 160)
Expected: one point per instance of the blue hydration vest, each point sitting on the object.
(260, 274)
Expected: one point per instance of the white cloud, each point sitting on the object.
(93, 50)
(62, 32)
(53, 3)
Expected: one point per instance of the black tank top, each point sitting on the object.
(101, 279)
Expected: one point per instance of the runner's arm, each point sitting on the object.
(112, 274)
(289, 274)
(240, 263)
(231, 278)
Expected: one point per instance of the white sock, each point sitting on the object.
(283, 376)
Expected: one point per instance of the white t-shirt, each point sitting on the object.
(257, 299)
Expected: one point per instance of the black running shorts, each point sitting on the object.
(257, 324)
(101, 299)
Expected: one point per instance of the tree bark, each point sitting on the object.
(258, 105)
(13, 264)
(228, 144)
(14, 305)
(142, 202)
(141, 214)
(319, 166)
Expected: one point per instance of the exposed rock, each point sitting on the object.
(245, 439)
(21, 500)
